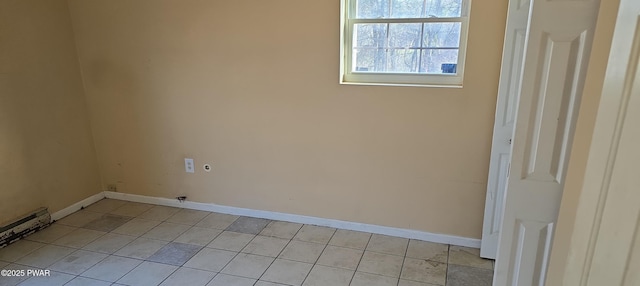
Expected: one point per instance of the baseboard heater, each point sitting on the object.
(20, 228)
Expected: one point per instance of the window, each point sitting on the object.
(404, 42)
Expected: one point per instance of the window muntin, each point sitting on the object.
(404, 41)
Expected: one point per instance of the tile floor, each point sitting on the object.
(122, 243)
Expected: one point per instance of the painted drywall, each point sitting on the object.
(251, 87)
(47, 156)
(582, 140)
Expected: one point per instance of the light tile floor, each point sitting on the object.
(122, 243)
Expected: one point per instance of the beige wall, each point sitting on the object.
(47, 156)
(252, 87)
(582, 139)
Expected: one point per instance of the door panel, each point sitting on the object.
(553, 108)
(532, 247)
(557, 49)
(508, 90)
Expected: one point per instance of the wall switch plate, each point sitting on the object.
(188, 165)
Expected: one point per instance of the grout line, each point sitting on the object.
(80, 275)
(274, 260)
(446, 268)
(335, 230)
(208, 281)
(406, 251)
(174, 271)
(141, 261)
(205, 246)
(185, 210)
(361, 257)
(279, 253)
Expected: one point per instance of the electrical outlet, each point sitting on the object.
(188, 165)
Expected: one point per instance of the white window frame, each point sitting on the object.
(348, 76)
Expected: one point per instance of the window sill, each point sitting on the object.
(401, 84)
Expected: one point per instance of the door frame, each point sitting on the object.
(604, 245)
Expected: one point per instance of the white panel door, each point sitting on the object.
(557, 49)
(511, 72)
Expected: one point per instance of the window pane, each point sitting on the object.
(372, 9)
(442, 8)
(442, 35)
(407, 8)
(375, 9)
(370, 35)
(403, 60)
(370, 60)
(404, 35)
(439, 61)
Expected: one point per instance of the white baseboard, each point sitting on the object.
(77, 206)
(392, 231)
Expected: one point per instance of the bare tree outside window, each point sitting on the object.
(406, 47)
(405, 36)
